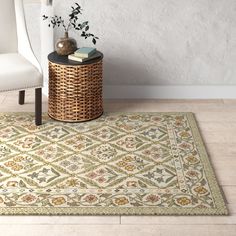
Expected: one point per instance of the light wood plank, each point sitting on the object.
(170, 107)
(182, 220)
(213, 126)
(219, 137)
(230, 193)
(226, 178)
(217, 116)
(59, 220)
(119, 230)
(229, 101)
(195, 101)
(2, 98)
(221, 152)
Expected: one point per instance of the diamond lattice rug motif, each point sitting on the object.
(129, 164)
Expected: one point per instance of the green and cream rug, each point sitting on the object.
(119, 164)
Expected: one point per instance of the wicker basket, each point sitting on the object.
(75, 92)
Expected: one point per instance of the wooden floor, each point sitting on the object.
(217, 122)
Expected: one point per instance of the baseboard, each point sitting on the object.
(167, 92)
(170, 92)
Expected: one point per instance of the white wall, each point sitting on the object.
(160, 42)
(163, 42)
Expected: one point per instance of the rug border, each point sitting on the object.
(220, 209)
(217, 192)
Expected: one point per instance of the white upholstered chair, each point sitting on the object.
(19, 68)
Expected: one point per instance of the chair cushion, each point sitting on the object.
(17, 73)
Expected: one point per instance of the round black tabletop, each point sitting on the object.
(63, 60)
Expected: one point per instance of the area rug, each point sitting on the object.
(119, 164)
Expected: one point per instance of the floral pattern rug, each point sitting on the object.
(119, 164)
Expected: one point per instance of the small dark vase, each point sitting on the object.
(66, 46)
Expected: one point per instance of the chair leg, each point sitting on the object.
(38, 106)
(22, 97)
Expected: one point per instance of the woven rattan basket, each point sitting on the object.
(75, 91)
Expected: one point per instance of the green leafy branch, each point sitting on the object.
(73, 23)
